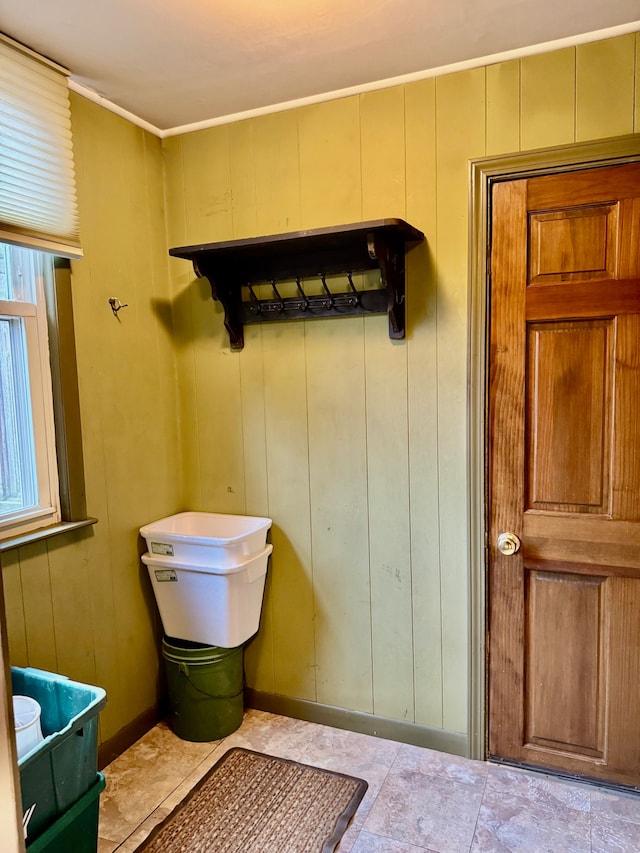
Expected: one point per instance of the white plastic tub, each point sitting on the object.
(207, 538)
(210, 605)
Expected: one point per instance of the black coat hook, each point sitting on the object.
(116, 305)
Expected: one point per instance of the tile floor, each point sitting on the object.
(418, 800)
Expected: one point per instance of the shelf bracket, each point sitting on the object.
(390, 257)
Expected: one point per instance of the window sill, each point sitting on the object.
(44, 533)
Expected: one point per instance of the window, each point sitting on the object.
(41, 464)
(28, 468)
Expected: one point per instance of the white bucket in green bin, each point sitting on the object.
(205, 683)
(26, 713)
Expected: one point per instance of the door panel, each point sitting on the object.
(566, 612)
(564, 445)
(570, 367)
(574, 244)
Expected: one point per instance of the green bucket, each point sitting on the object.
(205, 689)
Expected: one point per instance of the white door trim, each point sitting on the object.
(482, 174)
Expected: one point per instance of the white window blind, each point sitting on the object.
(38, 205)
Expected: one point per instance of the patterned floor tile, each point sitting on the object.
(419, 800)
(427, 811)
(532, 813)
(433, 763)
(617, 805)
(162, 761)
(612, 834)
(368, 843)
(359, 755)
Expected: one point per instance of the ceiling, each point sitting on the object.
(175, 63)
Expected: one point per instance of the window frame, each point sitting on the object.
(34, 402)
(66, 431)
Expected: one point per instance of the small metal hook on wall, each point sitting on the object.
(116, 305)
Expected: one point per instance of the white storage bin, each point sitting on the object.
(207, 538)
(216, 606)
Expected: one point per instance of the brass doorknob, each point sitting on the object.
(508, 544)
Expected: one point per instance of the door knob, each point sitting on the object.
(508, 544)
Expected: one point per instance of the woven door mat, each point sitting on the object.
(254, 803)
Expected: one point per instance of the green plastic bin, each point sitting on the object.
(62, 768)
(205, 683)
(77, 830)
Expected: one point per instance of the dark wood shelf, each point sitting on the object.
(235, 268)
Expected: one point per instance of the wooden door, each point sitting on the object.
(564, 610)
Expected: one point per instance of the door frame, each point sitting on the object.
(483, 173)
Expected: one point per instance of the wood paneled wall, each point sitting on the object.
(353, 444)
(79, 604)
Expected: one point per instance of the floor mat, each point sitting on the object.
(254, 803)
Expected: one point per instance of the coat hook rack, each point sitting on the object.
(325, 255)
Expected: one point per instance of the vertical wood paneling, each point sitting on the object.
(182, 277)
(331, 192)
(242, 179)
(38, 607)
(423, 402)
(207, 185)
(128, 383)
(288, 468)
(16, 631)
(460, 117)
(278, 659)
(252, 392)
(330, 182)
(243, 183)
(91, 130)
(389, 530)
(382, 128)
(131, 345)
(163, 481)
(503, 108)
(206, 191)
(339, 512)
(605, 72)
(277, 170)
(73, 620)
(106, 649)
(217, 420)
(548, 99)
(259, 653)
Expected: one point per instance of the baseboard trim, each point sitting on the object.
(127, 736)
(455, 743)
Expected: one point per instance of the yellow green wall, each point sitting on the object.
(79, 604)
(353, 444)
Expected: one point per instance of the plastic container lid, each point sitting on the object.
(206, 528)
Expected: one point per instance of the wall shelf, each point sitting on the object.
(300, 270)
